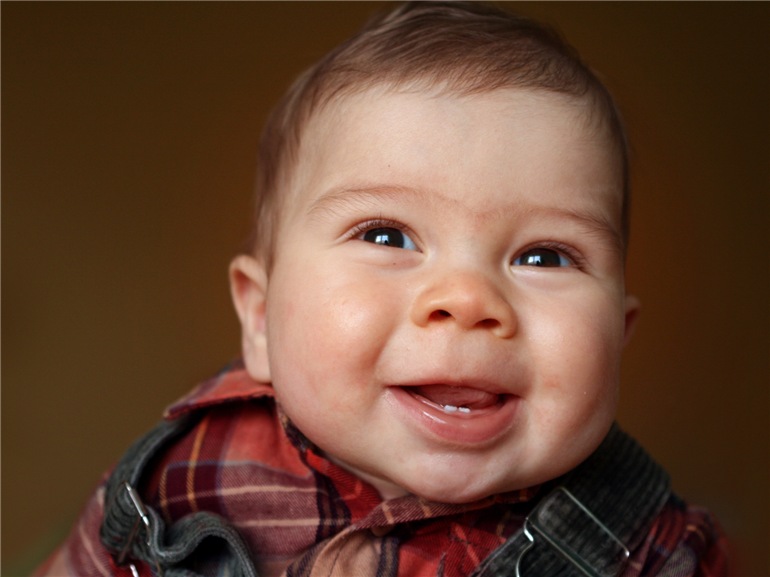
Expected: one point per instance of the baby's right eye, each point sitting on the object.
(388, 236)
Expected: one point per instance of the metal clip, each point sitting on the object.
(533, 526)
(142, 518)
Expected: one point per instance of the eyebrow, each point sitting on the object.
(594, 224)
(353, 196)
(338, 198)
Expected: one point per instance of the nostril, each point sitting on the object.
(440, 314)
(489, 323)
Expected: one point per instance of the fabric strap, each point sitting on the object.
(595, 516)
(132, 531)
(585, 527)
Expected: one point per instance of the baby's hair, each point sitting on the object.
(461, 48)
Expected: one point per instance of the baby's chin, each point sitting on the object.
(462, 485)
(461, 481)
(456, 489)
(452, 493)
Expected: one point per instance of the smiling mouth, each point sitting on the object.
(455, 399)
(462, 415)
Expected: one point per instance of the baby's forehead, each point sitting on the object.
(586, 113)
(388, 140)
(357, 111)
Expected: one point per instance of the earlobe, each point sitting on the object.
(633, 306)
(248, 287)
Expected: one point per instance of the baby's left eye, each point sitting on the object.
(389, 236)
(545, 257)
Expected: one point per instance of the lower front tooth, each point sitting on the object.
(464, 409)
(450, 408)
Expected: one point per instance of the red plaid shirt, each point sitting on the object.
(301, 514)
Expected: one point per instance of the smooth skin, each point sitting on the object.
(435, 239)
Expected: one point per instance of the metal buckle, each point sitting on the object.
(141, 519)
(559, 498)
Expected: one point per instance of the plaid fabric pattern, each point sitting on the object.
(303, 516)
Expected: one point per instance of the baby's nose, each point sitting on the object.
(470, 300)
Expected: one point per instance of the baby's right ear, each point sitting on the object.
(248, 287)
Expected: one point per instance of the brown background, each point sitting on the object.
(129, 133)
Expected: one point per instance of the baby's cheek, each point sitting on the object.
(564, 406)
(360, 324)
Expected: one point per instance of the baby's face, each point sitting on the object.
(446, 309)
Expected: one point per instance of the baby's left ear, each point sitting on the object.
(248, 287)
(633, 307)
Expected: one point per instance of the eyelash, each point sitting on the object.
(568, 251)
(368, 225)
(573, 255)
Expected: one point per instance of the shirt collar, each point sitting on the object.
(232, 384)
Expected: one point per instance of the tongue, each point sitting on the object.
(457, 396)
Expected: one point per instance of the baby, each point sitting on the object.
(433, 316)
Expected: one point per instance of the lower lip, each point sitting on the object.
(479, 427)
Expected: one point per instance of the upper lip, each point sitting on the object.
(481, 384)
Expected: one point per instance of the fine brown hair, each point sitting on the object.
(458, 47)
